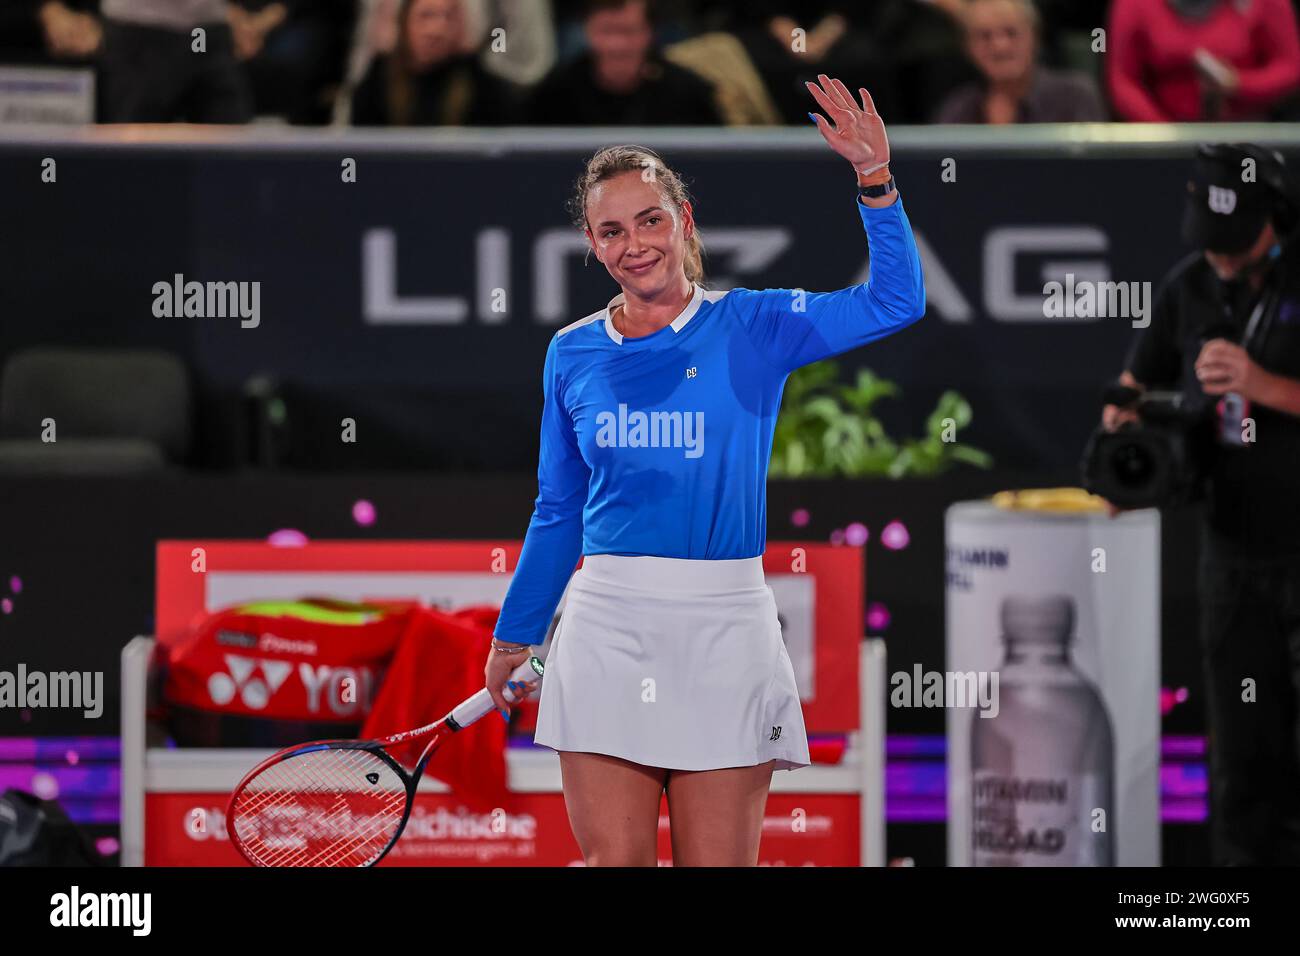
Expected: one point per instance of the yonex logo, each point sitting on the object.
(776, 734)
(372, 778)
(692, 372)
(654, 430)
(254, 692)
(1222, 200)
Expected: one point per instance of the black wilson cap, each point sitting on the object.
(1225, 213)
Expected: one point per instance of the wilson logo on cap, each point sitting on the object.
(1222, 200)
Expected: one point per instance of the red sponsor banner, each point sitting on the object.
(189, 829)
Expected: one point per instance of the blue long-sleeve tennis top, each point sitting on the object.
(659, 444)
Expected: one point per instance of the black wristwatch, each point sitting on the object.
(880, 189)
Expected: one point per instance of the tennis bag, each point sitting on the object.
(274, 673)
(270, 675)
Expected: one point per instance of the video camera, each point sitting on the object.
(1154, 462)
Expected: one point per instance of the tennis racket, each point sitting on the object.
(343, 802)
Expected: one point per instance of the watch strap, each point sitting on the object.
(881, 189)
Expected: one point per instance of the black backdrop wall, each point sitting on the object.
(379, 298)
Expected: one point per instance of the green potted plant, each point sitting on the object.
(827, 428)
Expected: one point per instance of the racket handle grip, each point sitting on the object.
(530, 671)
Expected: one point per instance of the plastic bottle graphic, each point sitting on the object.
(1044, 765)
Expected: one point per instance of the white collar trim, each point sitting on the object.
(677, 324)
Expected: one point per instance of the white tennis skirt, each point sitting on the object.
(672, 663)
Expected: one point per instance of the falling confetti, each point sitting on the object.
(107, 846)
(286, 538)
(6, 605)
(877, 617)
(45, 786)
(1170, 698)
(837, 536)
(16, 584)
(800, 517)
(72, 757)
(894, 536)
(363, 513)
(856, 534)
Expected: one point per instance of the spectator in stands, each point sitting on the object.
(623, 79)
(430, 78)
(527, 52)
(791, 41)
(1002, 42)
(1201, 60)
(152, 74)
(49, 31)
(293, 52)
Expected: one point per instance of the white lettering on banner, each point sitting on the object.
(380, 302)
(1004, 245)
(747, 252)
(206, 823)
(332, 680)
(462, 824)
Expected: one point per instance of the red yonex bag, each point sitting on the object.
(273, 674)
(264, 672)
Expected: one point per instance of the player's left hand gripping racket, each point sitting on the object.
(342, 802)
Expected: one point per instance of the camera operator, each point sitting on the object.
(1225, 332)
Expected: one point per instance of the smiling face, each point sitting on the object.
(1000, 39)
(637, 234)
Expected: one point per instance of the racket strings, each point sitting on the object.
(328, 820)
(333, 807)
(328, 832)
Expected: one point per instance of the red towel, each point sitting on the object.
(438, 663)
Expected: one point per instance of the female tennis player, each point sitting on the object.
(668, 670)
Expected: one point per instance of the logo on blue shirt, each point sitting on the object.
(653, 430)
